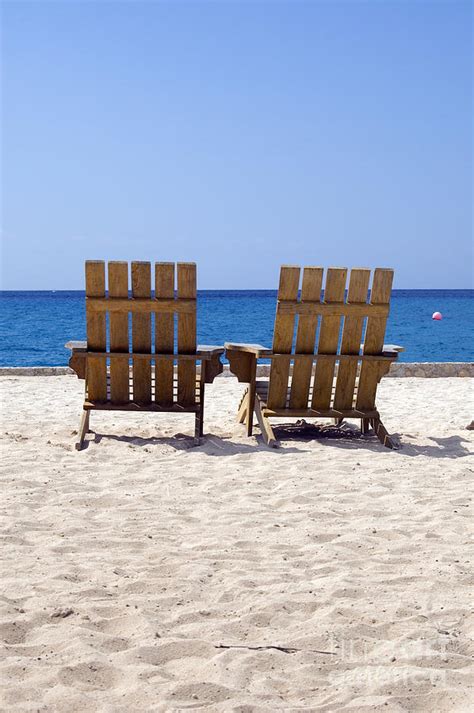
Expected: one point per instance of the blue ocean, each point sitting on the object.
(35, 325)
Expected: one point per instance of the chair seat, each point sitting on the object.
(262, 387)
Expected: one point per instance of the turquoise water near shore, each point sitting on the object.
(35, 325)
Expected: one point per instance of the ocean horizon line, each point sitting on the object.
(250, 289)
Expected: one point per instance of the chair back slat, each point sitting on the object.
(329, 382)
(141, 334)
(187, 335)
(118, 326)
(305, 338)
(334, 292)
(151, 379)
(96, 332)
(371, 371)
(283, 338)
(351, 339)
(164, 334)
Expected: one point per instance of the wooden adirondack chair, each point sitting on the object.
(127, 374)
(336, 379)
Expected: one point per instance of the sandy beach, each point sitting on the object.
(146, 574)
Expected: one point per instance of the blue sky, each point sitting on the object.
(241, 135)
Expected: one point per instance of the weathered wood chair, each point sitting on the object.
(121, 369)
(336, 379)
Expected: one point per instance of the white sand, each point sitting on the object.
(128, 564)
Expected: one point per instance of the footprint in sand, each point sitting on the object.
(12, 632)
(90, 676)
(163, 654)
(201, 693)
(112, 644)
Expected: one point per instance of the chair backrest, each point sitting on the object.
(115, 343)
(330, 325)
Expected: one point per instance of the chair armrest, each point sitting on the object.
(210, 354)
(387, 349)
(257, 349)
(209, 351)
(202, 350)
(76, 346)
(211, 358)
(243, 359)
(77, 360)
(392, 350)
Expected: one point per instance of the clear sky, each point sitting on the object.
(241, 135)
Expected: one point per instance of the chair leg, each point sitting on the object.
(265, 426)
(251, 397)
(199, 418)
(249, 412)
(382, 434)
(198, 428)
(242, 412)
(83, 428)
(364, 425)
(338, 421)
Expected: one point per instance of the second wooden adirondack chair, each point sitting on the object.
(122, 370)
(323, 370)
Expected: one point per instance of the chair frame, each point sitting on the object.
(358, 367)
(121, 379)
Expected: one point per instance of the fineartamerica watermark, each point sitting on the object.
(402, 663)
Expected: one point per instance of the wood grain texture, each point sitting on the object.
(186, 335)
(312, 358)
(351, 339)
(118, 324)
(143, 306)
(164, 334)
(305, 338)
(96, 333)
(320, 413)
(371, 372)
(283, 337)
(141, 334)
(265, 425)
(338, 309)
(152, 357)
(328, 339)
